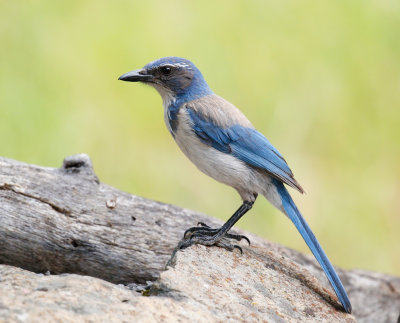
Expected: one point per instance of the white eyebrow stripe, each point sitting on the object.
(177, 65)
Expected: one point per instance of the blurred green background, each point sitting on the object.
(320, 79)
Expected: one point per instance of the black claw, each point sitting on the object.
(237, 237)
(247, 239)
(239, 248)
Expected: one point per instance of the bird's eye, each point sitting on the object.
(166, 70)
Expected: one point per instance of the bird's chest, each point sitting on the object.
(178, 123)
(181, 128)
(218, 165)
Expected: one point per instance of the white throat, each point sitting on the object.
(168, 99)
(166, 94)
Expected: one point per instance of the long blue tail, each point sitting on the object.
(312, 242)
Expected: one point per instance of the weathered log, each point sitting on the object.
(65, 221)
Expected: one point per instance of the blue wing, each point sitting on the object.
(246, 144)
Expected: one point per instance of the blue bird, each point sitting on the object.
(223, 144)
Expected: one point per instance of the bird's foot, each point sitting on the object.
(204, 229)
(203, 234)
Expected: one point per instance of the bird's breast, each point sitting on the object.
(223, 167)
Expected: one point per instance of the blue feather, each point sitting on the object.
(246, 144)
(312, 242)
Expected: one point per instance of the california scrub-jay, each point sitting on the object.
(223, 144)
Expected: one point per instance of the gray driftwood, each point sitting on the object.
(65, 221)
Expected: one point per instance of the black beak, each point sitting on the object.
(136, 76)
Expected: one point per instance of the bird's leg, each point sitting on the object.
(207, 236)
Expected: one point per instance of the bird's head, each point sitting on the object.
(172, 77)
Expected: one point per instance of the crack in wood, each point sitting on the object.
(20, 191)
